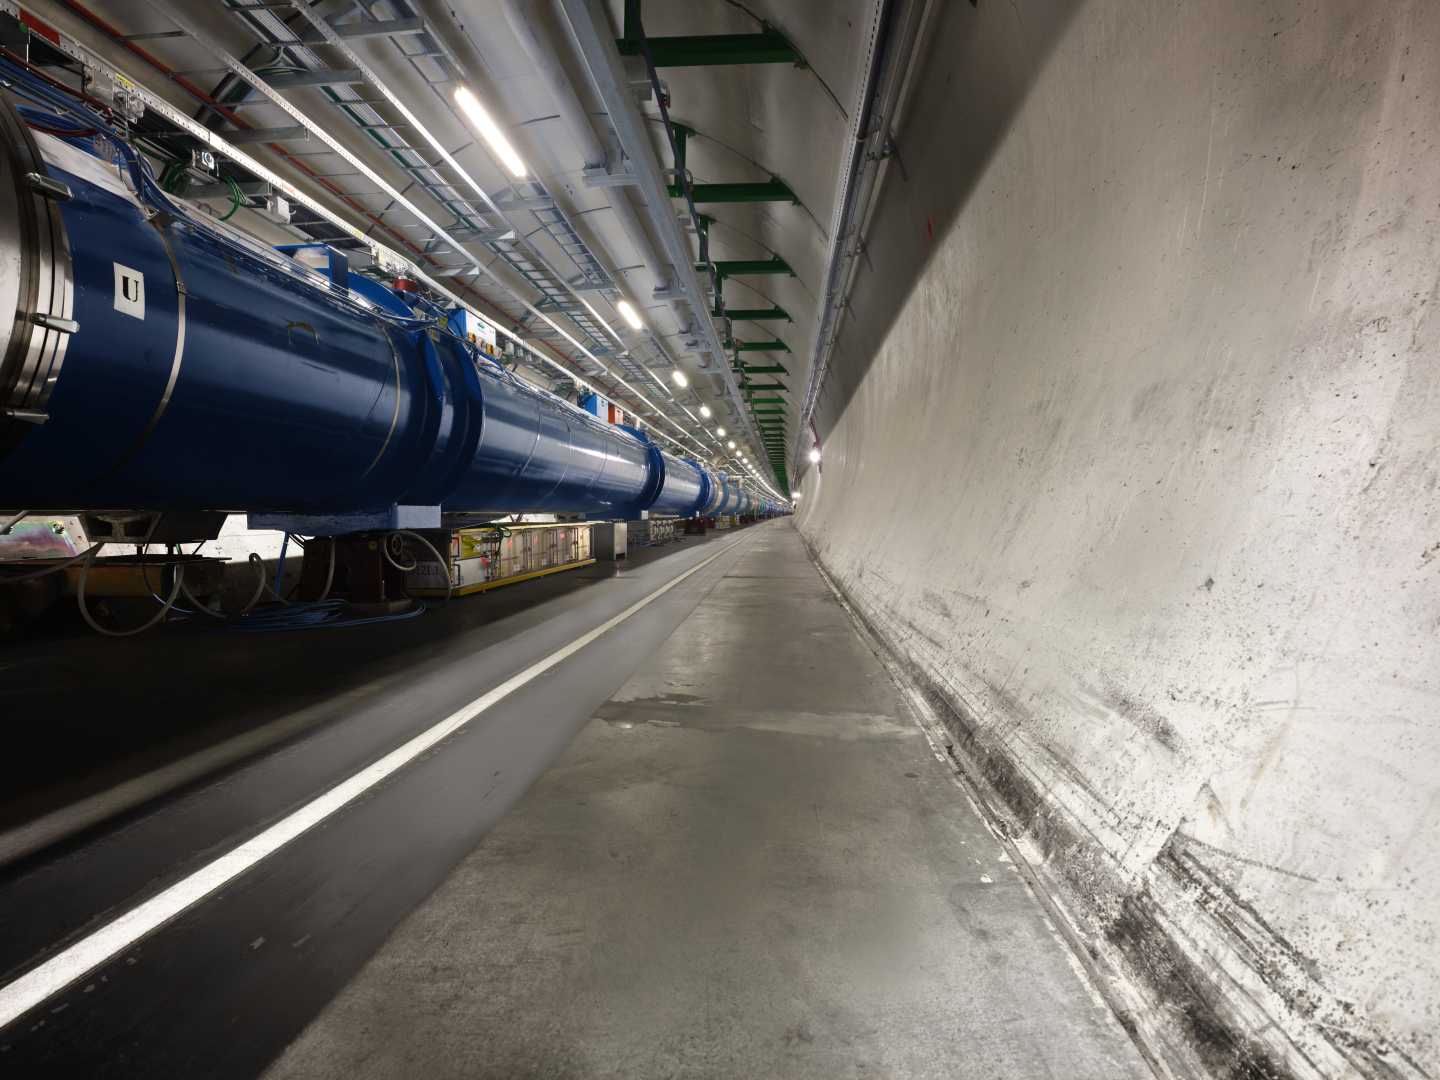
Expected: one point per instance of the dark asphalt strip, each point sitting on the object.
(226, 985)
(56, 895)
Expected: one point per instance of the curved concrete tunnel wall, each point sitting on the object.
(1130, 456)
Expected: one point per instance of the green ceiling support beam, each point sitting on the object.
(759, 346)
(681, 134)
(767, 401)
(710, 50)
(713, 50)
(772, 191)
(751, 369)
(736, 267)
(767, 386)
(755, 314)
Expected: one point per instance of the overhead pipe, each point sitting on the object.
(526, 27)
(589, 22)
(897, 26)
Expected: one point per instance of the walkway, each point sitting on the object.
(748, 864)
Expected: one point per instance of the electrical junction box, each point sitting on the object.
(476, 331)
(605, 410)
(610, 539)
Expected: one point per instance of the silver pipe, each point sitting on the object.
(884, 79)
(590, 23)
(526, 27)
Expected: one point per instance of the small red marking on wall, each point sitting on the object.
(929, 229)
(49, 33)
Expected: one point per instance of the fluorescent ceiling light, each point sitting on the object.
(731, 444)
(814, 455)
(704, 410)
(720, 431)
(630, 315)
(680, 379)
(472, 108)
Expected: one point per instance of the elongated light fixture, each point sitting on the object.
(631, 316)
(471, 107)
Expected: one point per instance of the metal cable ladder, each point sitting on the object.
(557, 294)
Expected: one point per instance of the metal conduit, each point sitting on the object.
(533, 40)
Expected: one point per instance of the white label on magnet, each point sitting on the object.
(129, 291)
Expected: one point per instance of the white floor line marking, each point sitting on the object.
(73, 963)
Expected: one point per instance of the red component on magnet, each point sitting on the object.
(49, 33)
(405, 285)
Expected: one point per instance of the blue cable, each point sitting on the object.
(322, 614)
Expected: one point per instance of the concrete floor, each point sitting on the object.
(750, 863)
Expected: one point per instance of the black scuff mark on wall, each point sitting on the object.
(1127, 926)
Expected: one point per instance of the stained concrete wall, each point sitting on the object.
(1131, 454)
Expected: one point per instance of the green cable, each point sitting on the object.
(239, 198)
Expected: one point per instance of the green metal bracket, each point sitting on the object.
(751, 369)
(705, 50)
(773, 191)
(768, 386)
(759, 346)
(767, 401)
(735, 268)
(682, 132)
(755, 314)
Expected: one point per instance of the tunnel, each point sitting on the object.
(795, 538)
